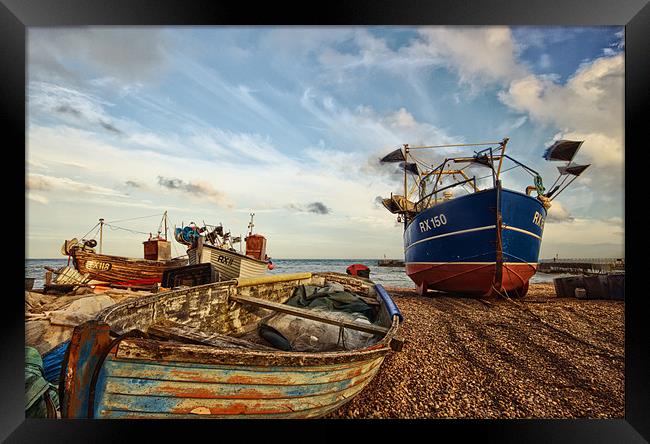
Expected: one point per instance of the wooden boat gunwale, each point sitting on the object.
(129, 348)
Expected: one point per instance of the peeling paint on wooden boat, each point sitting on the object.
(139, 377)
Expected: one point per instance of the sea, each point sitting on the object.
(387, 276)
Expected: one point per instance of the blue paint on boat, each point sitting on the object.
(464, 229)
(52, 362)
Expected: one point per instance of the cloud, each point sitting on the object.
(587, 237)
(364, 129)
(129, 54)
(37, 198)
(42, 182)
(109, 127)
(318, 208)
(71, 105)
(557, 213)
(589, 107)
(198, 189)
(479, 55)
(67, 109)
(313, 207)
(134, 184)
(590, 101)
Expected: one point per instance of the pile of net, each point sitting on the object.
(292, 333)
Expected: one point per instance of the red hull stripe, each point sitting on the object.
(469, 277)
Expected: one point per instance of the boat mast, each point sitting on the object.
(251, 225)
(406, 158)
(165, 218)
(101, 234)
(503, 151)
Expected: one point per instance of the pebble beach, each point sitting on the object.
(540, 356)
(536, 357)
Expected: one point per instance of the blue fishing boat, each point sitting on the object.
(483, 241)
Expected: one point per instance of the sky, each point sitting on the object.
(214, 123)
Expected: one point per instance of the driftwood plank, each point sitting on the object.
(310, 314)
(173, 330)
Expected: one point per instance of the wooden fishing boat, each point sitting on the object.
(119, 269)
(220, 375)
(483, 241)
(216, 247)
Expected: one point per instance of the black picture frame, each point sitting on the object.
(17, 15)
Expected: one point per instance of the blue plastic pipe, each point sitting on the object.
(388, 302)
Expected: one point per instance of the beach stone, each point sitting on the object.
(538, 357)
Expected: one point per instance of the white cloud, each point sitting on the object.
(40, 182)
(589, 107)
(129, 54)
(558, 213)
(590, 101)
(478, 54)
(584, 237)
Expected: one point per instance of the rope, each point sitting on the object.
(603, 351)
(341, 339)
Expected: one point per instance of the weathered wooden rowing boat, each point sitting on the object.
(220, 375)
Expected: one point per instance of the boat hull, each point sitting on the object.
(123, 270)
(140, 377)
(133, 389)
(230, 264)
(459, 246)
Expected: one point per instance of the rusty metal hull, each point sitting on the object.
(143, 377)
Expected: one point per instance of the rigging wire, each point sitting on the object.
(114, 227)
(133, 218)
(89, 231)
(504, 171)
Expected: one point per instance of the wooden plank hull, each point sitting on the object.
(108, 268)
(231, 265)
(141, 377)
(139, 389)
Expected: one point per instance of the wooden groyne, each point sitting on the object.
(599, 266)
